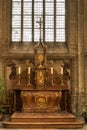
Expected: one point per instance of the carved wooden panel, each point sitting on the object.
(37, 101)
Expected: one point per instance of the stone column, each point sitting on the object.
(0, 22)
(81, 100)
(85, 82)
(72, 26)
(74, 86)
(85, 49)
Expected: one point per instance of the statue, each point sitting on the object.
(13, 73)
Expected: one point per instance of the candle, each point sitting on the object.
(51, 70)
(61, 70)
(28, 70)
(19, 70)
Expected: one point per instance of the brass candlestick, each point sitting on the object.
(52, 80)
(62, 73)
(29, 80)
(19, 75)
(52, 76)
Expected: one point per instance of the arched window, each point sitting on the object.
(26, 13)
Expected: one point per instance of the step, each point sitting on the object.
(41, 117)
(78, 123)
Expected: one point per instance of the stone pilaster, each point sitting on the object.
(85, 82)
(0, 22)
(81, 101)
(85, 49)
(74, 86)
(72, 26)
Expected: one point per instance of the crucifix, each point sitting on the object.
(40, 27)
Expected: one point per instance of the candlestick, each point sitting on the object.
(52, 80)
(61, 70)
(52, 76)
(19, 70)
(51, 70)
(28, 70)
(62, 81)
(29, 80)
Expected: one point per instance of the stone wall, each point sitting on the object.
(75, 49)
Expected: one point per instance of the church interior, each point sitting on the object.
(43, 63)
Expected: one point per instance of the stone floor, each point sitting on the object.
(84, 128)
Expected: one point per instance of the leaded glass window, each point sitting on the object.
(26, 13)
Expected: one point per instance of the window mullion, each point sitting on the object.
(43, 20)
(22, 21)
(54, 20)
(33, 21)
(66, 20)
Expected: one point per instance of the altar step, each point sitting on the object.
(43, 120)
(41, 117)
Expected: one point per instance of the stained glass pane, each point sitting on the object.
(38, 1)
(16, 24)
(38, 8)
(16, 34)
(60, 0)
(27, 35)
(16, 8)
(60, 35)
(27, 22)
(49, 21)
(27, 8)
(60, 20)
(49, 35)
(27, 0)
(49, 8)
(36, 34)
(49, 0)
(60, 8)
(16, 20)
(16, 0)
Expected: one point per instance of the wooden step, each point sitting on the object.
(60, 120)
(40, 117)
(36, 125)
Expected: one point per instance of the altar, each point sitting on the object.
(40, 88)
(49, 100)
(41, 97)
(41, 94)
